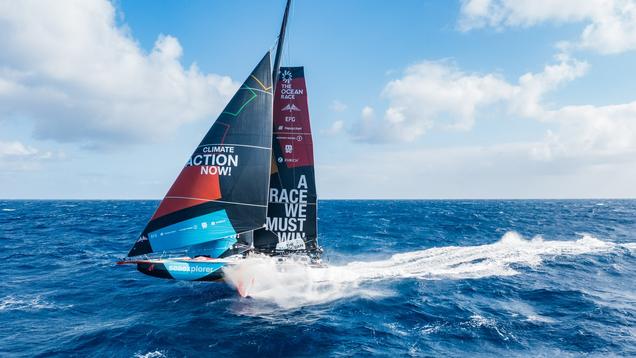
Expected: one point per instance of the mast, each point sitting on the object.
(279, 48)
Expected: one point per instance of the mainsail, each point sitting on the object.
(221, 193)
(291, 215)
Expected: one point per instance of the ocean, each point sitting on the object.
(402, 278)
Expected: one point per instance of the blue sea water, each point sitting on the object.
(471, 278)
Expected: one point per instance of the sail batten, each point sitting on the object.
(222, 191)
(216, 201)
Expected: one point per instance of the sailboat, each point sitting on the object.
(248, 187)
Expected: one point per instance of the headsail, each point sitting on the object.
(291, 216)
(222, 190)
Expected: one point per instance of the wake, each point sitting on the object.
(293, 284)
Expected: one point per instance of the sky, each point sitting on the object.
(433, 99)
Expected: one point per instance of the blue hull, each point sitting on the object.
(183, 270)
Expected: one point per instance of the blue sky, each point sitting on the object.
(409, 99)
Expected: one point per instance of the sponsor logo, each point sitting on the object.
(292, 244)
(286, 76)
(289, 148)
(291, 107)
(286, 90)
(193, 269)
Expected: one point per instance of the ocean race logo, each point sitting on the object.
(286, 90)
(286, 76)
(215, 160)
(290, 228)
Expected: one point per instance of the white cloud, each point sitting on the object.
(367, 128)
(593, 132)
(429, 89)
(611, 24)
(66, 66)
(17, 156)
(438, 94)
(431, 93)
(368, 112)
(531, 87)
(338, 106)
(335, 128)
(489, 171)
(15, 149)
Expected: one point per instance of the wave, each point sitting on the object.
(8, 209)
(631, 246)
(292, 284)
(34, 303)
(153, 354)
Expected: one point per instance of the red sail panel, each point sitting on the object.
(192, 187)
(291, 119)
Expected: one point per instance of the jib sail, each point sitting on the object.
(291, 215)
(222, 190)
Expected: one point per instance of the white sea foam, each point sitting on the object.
(153, 354)
(631, 246)
(8, 209)
(292, 284)
(27, 303)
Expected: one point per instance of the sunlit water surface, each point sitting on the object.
(420, 278)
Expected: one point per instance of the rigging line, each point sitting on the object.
(281, 42)
(291, 34)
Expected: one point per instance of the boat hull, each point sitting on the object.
(183, 270)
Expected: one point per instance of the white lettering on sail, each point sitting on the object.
(278, 224)
(288, 92)
(218, 149)
(290, 228)
(292, 196)
(302, 183)
(215, 160)
(209, 170)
